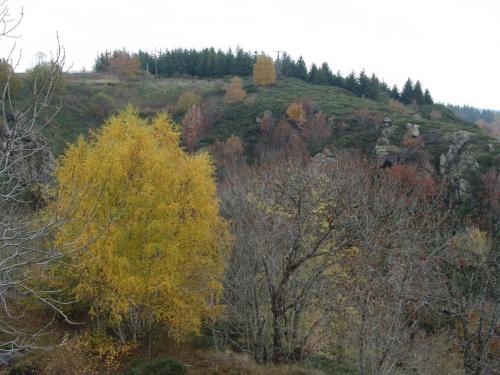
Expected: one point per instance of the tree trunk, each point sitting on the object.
(471, 365)
(296, 342)
(278, 315)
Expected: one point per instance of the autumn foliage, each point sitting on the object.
(234, 91)
(186, 100)
(296, 113)
(124, 64)
(228, 154)
(149, 217)
(264, 72)
(194, 124)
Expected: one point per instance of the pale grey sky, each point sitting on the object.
(452, 46)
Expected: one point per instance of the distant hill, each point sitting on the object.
(356, 121)
(487, 119)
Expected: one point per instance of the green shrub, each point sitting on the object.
(163, 366)
(186, 100)
(100, 106)
(46, 75)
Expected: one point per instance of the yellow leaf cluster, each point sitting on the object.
(472, 244)
(264, 72)
(146, 214)
(297, 113)
(234, 91)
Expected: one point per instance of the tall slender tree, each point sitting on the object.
(418, 94)
(427, 97)
(408, 95)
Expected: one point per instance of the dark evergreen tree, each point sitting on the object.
(407, 94)
(287, 65)
(418, 94)
(374, 88)
(337, 80)
(313, 74)
(428, 97)
(220, 66)
(325, 76)
(384, 89)
(394, 93)
(351, 83)
(211, 63)
(300, 69)
(363, 84)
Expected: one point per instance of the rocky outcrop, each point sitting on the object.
(457, 164)
(31, 165)
(385, 151)
(456, 141)
(34, 161)
(413, 129)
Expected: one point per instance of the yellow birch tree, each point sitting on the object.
(150, 214)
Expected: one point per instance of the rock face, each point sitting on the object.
(414, 130)
(458, 163)
(456, 142)
(385, 151)
(32, 164)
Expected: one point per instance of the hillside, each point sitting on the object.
(356, 123)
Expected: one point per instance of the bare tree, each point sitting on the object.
(401, 229)
(470, 271)
(333, 236)
(26, 165)
(287, 235)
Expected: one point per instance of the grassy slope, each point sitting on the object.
(240, 119)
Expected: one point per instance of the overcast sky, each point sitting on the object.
(451, 46)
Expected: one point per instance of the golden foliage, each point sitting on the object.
(186, 100)
(105, 349)
(148, 217)
(473, 246)
(87, 355)
(297, 113)
(125, 65)
(264, 73)
(234, 91)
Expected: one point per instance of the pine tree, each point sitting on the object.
(300, 69)
(394, 93)
(427, 97)
(374, 88)
(337, 80)
(351, 83)
(220, 68)
(363, 84)
(407, 95)
(418, 94)
(313, 74)
(325, 76)
(287, 65)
